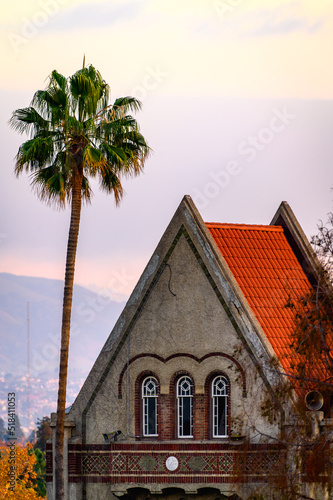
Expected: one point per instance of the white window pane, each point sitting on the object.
(150, 406)
(185, 407)
(220, 406)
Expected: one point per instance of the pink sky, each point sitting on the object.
(213, 83)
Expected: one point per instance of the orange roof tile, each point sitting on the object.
(267, 271)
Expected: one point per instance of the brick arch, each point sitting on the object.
(182, 354)
(233, 360)
(138, 399)
(212, 375)
(180, 373)
(175, 377)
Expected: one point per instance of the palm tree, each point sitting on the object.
(76, 134)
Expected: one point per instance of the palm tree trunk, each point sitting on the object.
(65, 329)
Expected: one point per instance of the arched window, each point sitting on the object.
(185, 407)
(220, 391)
(150, 406)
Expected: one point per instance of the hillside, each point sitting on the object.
(92, 320)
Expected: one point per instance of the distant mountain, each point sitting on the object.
(93, 317)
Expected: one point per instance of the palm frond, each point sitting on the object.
(34, 154)
(86, 189)
(87, 89)
(50, 184)
(128, 103)
(116, 156)
(59, 79)
(74, 127)
(135, 138)
(117, 126)
(28, 120)
(53, 184)
(134, 165)
(134, 145)
(90, 128)
(94, 160)
(110, 182)
(51, 103)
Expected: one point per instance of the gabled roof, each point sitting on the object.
(251, 269)
(186, 226)
(267, 271)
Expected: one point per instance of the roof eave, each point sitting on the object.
(297, 240)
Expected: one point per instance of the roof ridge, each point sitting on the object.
(248, 227)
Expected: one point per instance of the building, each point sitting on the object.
(173, 405)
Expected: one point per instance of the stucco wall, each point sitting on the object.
(181, 315)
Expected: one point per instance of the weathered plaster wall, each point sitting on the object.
(181, 315)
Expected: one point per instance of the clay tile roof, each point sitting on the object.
(266, 270)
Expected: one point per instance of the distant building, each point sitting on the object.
(172, 406)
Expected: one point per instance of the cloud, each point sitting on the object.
(94, 16)
(284, 20)
(273, 26)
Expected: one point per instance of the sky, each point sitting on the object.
(237, 108)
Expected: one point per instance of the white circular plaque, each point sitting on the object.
(171, 463)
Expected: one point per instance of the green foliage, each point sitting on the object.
(43, 433)
(40, 470)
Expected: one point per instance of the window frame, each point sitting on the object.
(145, 398)
(215, 406)
(181, 400)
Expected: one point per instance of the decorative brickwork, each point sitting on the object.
(141, 463)
(200, 427)
(49, 462)
(186, 355)
(75, 463)
(96, 464)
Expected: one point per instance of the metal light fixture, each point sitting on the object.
(111, 436)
